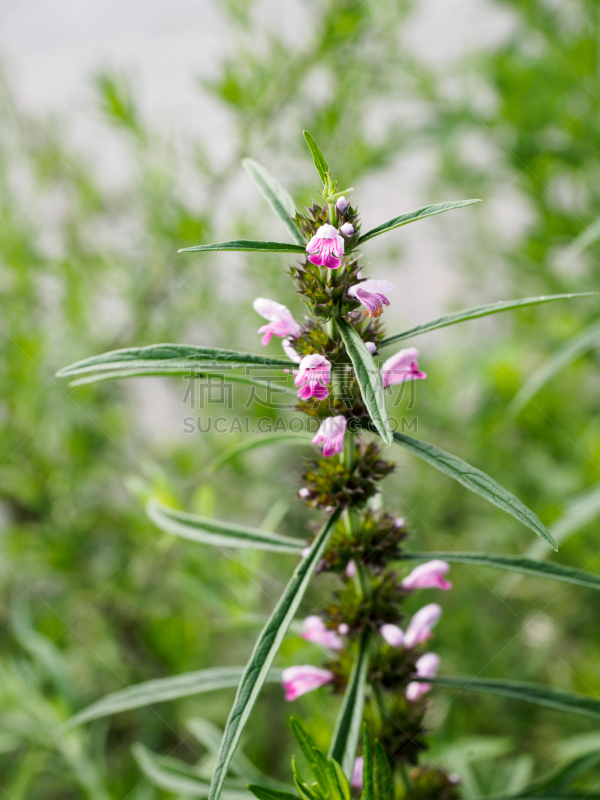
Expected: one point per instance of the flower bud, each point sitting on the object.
(342, 205)
(347, 229)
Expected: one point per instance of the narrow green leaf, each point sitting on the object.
(562, 358)
(275, 195)
(342, 785)
(318, 157)
(265, 650)
(383, 778)
(413, 216)
(246, 246)
(177, 777)
(520, 564)
(580, 243)
(217, 533)
(368, 377)
(479, 311)
(528, 692)
(476, 481)
(157, 691)
(226, 376)
(264, 793)
(368, 788)
(167, 359)
(349, 722)
(562, 776)
(246, 446)
(314, 757)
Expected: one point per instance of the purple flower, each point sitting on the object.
(402, 367)
(315, 631)
(347, 229)
(427, 667)
(304, 493)
(356, 780)
(343, 629)
(326, 247)
(421, 625)
(313, 376)
(302, 679)
(342, 204)
(371, 347)
(428, 576)
(392, 634)
(371, 294)
(351, 568)
(331, 433)
(281, 322)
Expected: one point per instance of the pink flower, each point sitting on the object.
(315, 631)
(342, 204)
(371, 294)
(421, 625)
(351, 568)
(357, 773)
(392, 634)
(302, 679)
(428, 576)
(304, 493)
(343, 629)
(326, 247)
(331, 433)
(313, 376)
(427, 667)
(402, 367)
(281, 322)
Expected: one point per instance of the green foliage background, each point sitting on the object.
(94, 598)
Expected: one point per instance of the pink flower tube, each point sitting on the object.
(302, 679)
(281, 322)
(402, 367)
(315, 631)
(371, 294)
(427, 667)
(313, 376)
(428, 576)
(326, 247)
(331, 433)
(357, 773)
(392, 634)
(421, 625)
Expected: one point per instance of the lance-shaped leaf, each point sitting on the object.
(564, 356)
(528, 692)
(475, 480)
(368, 787)
(368, 378)
(217, 533)
(167, 359)
(265, 651)
(382, 774)
(264, 793)
(248, 445)
(272, 386)
(180, 778)
(246, 246)
(349, 722)
(157, 691)
(413, 216)
(275, 195)
(318, 157)
(479, 311)
(520, 564)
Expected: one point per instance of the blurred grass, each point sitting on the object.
(93, 596)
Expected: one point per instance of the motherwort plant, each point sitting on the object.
(378, 659)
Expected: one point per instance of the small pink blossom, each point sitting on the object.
(342, 204)
(371, 294)
(343, 629)
(428, 576)
(281, 322)
(392, 634)
(313, 376)
(326, 247)
(371, 347)
(315, 631)
(304, 493)
(402, 367)
(356, 781)
(351, 568)
(347, 229)
(426, 667)
(302, 679)
(421, 625)
(331, 433)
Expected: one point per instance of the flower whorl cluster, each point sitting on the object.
(365, 548)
